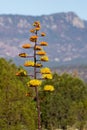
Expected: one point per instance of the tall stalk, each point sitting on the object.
(45, 72)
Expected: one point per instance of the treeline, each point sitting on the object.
(63, 108)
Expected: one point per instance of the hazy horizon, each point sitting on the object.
(46, 7)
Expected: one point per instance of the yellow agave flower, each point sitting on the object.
(43, 43)
(38, 48)
(27, 45)
(38, 65)
(36, 24)
(33, 38)
(47, 76)
(29, 63)
(21, 73)
(24, 55)
(44, 58)
(41, 53)
(48, 88)
(34, 83)
(37, 28)
(43, 34)
(32, 30)
(45, 70)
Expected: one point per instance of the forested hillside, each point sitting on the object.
(62, 108)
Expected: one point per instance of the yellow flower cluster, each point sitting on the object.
(27, 45)
(43, 34)
(48, 88)
(29, 63)
(38, 65)
(43, 43)
(34, 83)
(47, 76)
(32, 30)
(32, 64)
(33, 38)
(38, 48)
(44, 58)
(24, 55)
(21, 73)
(35, 29)
(45, 70)
(41, 53)
(36, 24)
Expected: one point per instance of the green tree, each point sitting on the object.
(67, 105)
(17, 111)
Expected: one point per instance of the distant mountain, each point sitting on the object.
(66, 34)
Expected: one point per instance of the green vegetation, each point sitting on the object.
(67, 105)
(63, 108)
(17, 112)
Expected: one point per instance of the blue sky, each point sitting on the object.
(40, 7)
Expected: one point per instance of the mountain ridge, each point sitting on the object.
(66, 34)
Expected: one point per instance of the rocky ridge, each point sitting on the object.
(66, 35)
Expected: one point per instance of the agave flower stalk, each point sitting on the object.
(39, 56)
(36, 89)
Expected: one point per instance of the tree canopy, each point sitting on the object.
(17, 111)
(64, 107)
(67, 105)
